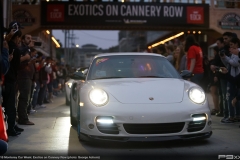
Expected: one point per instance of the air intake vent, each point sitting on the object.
(156, 128)
(108, 128)
(198, 124)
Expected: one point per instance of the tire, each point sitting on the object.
(67, 102)
(78, 128)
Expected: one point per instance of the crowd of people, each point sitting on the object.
(222, 71)
(30, 79)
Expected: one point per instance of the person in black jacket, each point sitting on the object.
(9, 93)
(24, 80)
(223, 44)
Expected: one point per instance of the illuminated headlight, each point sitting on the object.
(69, 84)
(98, 97)
(197, 95)
(199, 118)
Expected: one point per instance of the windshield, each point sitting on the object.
(131, 66)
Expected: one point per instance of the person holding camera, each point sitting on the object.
(24, 80)
(233, 67)
(9, 92)
(223, 45)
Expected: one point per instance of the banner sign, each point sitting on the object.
(120, 15)
(230, 21)
(24, 17)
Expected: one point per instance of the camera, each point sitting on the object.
(15, 27)
(218, 69)
(222, 53)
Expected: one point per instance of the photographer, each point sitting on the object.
(11, 77)
(24, 80)
(223, 45)
(233, 66)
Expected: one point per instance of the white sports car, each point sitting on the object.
(138, 97)
(68, 84)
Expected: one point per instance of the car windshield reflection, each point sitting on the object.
(131, 66)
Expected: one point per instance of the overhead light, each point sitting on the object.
(166, 40)
(199, 32)
(77, 45)
(56, 42)
(194, 32)
(48, 32)
(188, 32)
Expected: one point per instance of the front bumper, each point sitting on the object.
(147, 139)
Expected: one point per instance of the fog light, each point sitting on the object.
(199, 118)
(91, 126)
(105, 120)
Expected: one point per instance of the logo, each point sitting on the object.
(23, 17)
(55, 13)
(195, 15)
(151, 98)
(127, 21)
(230, 21)
(228, 157)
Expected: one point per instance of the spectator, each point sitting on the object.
(162, 50)
(231, 62)
(180, 58)
(33, 55)
(214, 85)
(36, 79)
(194, 59)
(10, 81)
(24, 80)
(5, 58)
(169, 51)
(45, 70)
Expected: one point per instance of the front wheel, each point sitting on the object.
(67, 102)
(72, 119)
(78, 127)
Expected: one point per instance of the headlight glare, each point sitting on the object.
(197, 95)
(69, 84)
(98, 97)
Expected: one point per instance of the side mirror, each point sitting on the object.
(186, 74)
(78, 76)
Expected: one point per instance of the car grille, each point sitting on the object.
(108, 128)
(195, 126)
(156, 128)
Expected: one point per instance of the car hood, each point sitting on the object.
(144, 90)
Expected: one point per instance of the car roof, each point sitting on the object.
(127, 53)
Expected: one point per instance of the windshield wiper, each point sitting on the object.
(151, 77)
(109, 77)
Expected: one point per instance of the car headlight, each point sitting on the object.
(69, 84)
(98, 97)
(197, 95)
